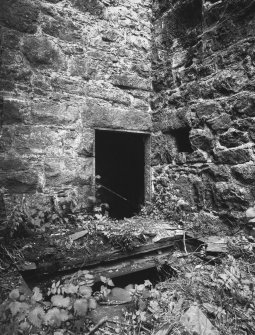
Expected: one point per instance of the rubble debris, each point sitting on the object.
(119, 294)
(197, 323)
(78, 235)
(165, 329)
(216, 244)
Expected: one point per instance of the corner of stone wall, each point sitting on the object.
(203, 89)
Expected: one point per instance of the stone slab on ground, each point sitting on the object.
(197, 323)
(114, 313)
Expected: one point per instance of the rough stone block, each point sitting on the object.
(40, 50)
(15, 111)
(110, 35)
(6, 139)
(94, 7)
(244, 104)
(219, 123)
(52, 113)
(39, 140)
(104, 115)
(233, 138)
(197, 156)
(68, 171)
(79, 66)
(142, 69)
(86, 145)
(229, 81)
(14, 66)
(233, 156)
(171, 119)
(201, 139)
(245, 172)
(230, 196)
(21, 15)
(20, 181)
(66, 86)
(41, 84)
(13, 162)
(62, 28)
(141, 105)
(105, 91)
(217, 172)
(10, 38)
(7, 84)
(127, 81)
(247, 124)
(207, 109)
(79, 142)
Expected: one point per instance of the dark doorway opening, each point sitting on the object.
(120, 163)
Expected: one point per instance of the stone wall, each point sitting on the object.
(68, 67)
(204, 102)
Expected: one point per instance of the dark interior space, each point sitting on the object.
(181, 136)
(120, 163)
(153, 274)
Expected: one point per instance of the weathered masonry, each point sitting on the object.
(204, 105)
(68, 68)
(80, 77)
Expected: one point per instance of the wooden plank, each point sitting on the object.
(137, 252)
(128, 266)
(62, 265)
